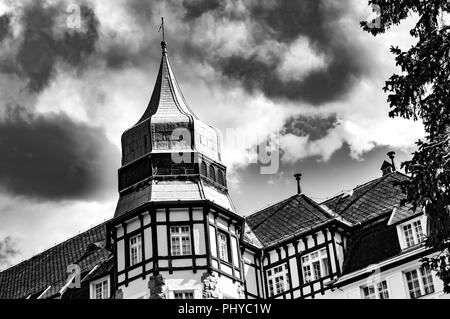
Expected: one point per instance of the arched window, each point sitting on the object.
(212, 173)
(203, 169)
(220, 178)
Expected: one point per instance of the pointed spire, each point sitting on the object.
(163, 42)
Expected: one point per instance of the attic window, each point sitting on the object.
(413, 233)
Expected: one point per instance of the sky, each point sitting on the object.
(75, 74)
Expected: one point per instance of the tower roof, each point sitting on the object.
(167, 100)
(170, 154)
(168, 125)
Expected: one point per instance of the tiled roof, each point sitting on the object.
(33, 276)
(167, 100)
(287, 218)
(370, 200)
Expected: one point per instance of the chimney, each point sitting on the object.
(391, 155)
(298, 178)
(387, 167)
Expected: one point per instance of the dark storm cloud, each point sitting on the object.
(7, 250)
(196, 8)
(5, 27)
(285, 21)
(316, 127)
(47, 40)
(52, 158)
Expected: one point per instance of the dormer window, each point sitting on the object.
(413, 233)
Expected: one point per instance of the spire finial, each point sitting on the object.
(163, 42)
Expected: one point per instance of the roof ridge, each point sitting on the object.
(310, 202)
(364, 193)
(317, 205)
(55, 245)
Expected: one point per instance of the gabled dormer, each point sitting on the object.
(411, 227)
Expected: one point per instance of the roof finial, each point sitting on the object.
(163, 42)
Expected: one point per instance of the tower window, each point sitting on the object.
(220, 178)
(203, 169)
(135, 250)
(223, 242)
(212, 173)
(180, 238)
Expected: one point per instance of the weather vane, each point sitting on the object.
(161, 27)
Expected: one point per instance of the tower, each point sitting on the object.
(175, 232)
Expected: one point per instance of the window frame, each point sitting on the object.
(421, 275)
(274, 273)
(417, 235)
(228, 246)
(93, 288)
(377, 290)
(183, 250)
(138, 249)
(183, 294)
(323, 261)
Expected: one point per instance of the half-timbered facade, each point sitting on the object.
(176, 234)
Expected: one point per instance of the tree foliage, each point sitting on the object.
(422, 92)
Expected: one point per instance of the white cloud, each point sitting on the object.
(37, 226)
(300, 59)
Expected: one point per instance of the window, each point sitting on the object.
(220, 178)
(135, 250)
(278, 280)
(180, 238)
(420, 282)
(413, 233)
(183, 295)
(203, 169)
(212, 173)
(100, 289)
(376, 291)
(315, 265)
(223, 246)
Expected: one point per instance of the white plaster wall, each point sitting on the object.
(396, 281)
